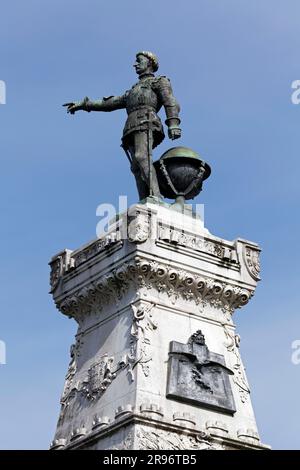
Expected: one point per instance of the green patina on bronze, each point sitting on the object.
(143, 129)
(180, 152)
(180, 172)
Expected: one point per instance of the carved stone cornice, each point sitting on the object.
(145, 275)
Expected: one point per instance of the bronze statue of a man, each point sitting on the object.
(143, 130)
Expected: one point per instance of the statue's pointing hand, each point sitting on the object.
(76, 106)
(72, 107)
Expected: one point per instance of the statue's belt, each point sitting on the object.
(141, 108)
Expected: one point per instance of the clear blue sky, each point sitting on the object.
(232, 64)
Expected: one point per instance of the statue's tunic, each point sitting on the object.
(142, 102)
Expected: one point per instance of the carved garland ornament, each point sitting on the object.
(143, 325)
(232, 344)
(148, 439)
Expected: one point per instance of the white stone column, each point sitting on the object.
(156, 361)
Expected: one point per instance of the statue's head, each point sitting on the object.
(146, 62)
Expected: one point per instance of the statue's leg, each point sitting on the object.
(142, 158)
(142, 187)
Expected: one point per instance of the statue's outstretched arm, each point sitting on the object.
(110, 103)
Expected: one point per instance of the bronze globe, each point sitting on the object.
(181, 172)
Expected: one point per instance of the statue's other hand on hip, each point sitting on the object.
(174, 133)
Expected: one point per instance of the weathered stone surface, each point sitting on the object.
(155, 279)
(199, 376)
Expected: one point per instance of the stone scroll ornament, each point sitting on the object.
(148, 274)
(198, 376)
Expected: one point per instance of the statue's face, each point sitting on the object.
(142, 64)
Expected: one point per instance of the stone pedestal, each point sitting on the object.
(156, 362)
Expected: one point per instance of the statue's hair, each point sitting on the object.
(152, 57)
